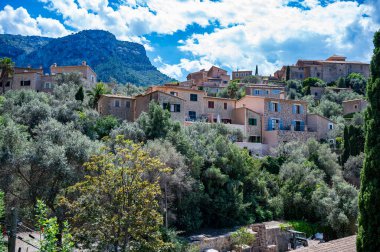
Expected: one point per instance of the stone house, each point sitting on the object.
(354, 106)
(251, 121)
(321, 125)
(241, 74)
(219, 109)
(328, 70)
(282, 120)
(275, 91)
(122, 107)
(194, 106)
(36, 79)
(89, 76)
(210, 81)
(172, 103)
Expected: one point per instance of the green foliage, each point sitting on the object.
(79, 96)
(369, 204)
(116, 204)
(311, 82)
(287, 73)
(50, 230)
(104, 125)
(303, 226)
(94, 94)
(2, 211)
(353, 141)
(352, 168)
(6, 70)
(251, 79)
(242, 237)
(156, 122)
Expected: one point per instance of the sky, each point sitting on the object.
(183, 36)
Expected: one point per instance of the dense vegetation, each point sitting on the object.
(111, 59)
(369, 203)
(97, 181)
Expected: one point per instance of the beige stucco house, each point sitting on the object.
(354, 106)
(122, 107)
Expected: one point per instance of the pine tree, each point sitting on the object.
(257, 70)
(79, 96)
(369, 197)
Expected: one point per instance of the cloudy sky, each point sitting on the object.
(181, 36)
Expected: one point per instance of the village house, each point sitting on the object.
(328, 70)
(123, 107)
(354, 106)
(274, 91)
(322, 126)
(211, 81)
(241, 74)
(36, 79)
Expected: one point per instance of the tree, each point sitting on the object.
(369, 203)
(2, 209)
(116, 206)
(287, 77)
(311, 82)
(156, 122)
(357, 82)
(79, 96)
(257, 70)
(352, 168)
(353, 142)
(6, 70)
(95, 94)
(50, 231)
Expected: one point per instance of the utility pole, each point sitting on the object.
(13, 231)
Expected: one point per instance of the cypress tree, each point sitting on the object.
(368, 238)
(257, 70)
(287, 73)
(79, 96)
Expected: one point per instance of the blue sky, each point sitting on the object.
(182, 36)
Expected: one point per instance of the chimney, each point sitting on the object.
(40, 66)
(84, 63)
(29, 66)
(54, 65)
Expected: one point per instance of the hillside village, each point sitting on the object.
(265, 115)
(262, 114)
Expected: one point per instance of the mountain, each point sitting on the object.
(110, 58)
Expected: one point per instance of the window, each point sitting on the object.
(254, 139)
(355, 106)
(225, 105)
(274, 124)
(8, 84)
(127, 104)
(47, 85)
(256, 92)
(192, 115)
(175, 108)
(318, 75)
(117, 103)
(276, 91)
(174, 93)
(252, 121)
(331, 126)
(274, 106)
(210, 104)
(193, 97)
(298, 125)
(92, 78)
(297, 109)
(25, 83)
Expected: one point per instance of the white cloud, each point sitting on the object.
(177, 71)
(18, 21)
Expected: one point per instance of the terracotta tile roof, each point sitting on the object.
(347, 244)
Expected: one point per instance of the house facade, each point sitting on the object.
(241, 74)
(354, 106)
(274, 91)
(36, 79)
(122, 107)
(211, 81)
(328, 70)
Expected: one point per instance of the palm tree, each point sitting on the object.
(6, 70)
(96, 92)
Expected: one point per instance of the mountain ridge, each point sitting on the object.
(111, 59)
